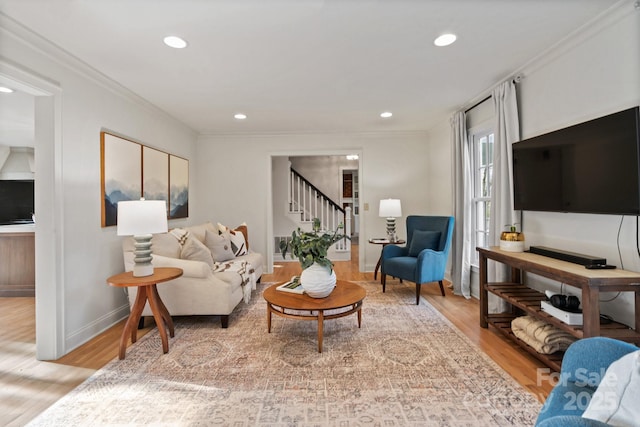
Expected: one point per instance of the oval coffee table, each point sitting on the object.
(303, 307)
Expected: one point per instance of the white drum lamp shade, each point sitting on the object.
(141, 219)
(390, 209)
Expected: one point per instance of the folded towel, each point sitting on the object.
(542, 336)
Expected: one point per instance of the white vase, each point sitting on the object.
(317, 281)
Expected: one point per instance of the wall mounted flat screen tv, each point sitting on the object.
(591, 167)
(16, 201)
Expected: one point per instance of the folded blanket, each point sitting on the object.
(542, 336)
(246, 272)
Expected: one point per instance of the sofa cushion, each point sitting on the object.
(198, 231)
(615, 401)
(161, 244)
(219, 245)
(194, 250)
(424, 239)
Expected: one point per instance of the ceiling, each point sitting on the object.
(304, 65)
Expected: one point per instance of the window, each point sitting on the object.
(482, 166)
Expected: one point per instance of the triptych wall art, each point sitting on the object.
(130, 170)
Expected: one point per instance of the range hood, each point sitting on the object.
(16, 163)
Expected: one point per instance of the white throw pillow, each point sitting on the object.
(616, 401)
(239, 243)
(219, 245)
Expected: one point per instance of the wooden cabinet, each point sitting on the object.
(525, 300)
(17, 264)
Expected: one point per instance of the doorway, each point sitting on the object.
(48, 198)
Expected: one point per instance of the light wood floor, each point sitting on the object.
(28, 386)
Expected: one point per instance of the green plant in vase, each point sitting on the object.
(312, 246)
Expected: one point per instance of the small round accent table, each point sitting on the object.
(300, 306)
(147, 291)
(383, 242)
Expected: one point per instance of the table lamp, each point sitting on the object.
(390, 209)
(140, 219)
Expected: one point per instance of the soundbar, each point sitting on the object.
(567, 256)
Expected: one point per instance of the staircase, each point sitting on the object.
(305, 202)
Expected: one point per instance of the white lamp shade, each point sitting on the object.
(390, 208)
(140, 217)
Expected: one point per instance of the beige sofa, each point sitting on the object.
(203, 289)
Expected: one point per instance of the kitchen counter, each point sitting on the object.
(18, 266)
(18, 228)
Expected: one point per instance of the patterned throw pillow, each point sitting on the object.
(219, 245)
(238, 238)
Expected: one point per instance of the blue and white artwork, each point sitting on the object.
(178, 187)
(155, 174)
(121, 174)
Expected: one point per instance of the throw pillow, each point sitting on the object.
(194, 250)
(219, 245)
(424, 239)
(615, 401)
(239, 238)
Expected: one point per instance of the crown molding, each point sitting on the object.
(12, 28)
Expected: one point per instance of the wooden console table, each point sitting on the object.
(525, 300)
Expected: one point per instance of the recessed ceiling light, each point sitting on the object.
(240, 116)
(445, 40)
(386, 114)
(175, 42)
(5, 89)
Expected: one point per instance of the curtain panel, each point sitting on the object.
(462, 206)
(506, 132)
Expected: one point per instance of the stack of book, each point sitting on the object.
(293, 286)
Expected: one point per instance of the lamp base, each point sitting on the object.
(391, 229)
(142, 256)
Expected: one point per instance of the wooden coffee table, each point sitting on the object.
(300, 306)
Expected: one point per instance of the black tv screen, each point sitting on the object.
(16, 201)
(591, 167)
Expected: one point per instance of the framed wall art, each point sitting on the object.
(121, 177)
(178, 187)
(155, 174)
(130, 170)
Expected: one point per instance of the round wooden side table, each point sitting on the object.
(147, 291)
(383, 242)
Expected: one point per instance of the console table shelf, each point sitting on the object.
(525, 300)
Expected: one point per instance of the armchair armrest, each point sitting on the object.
(392, 251)
(431, 266)
(592, 355)
(570, 421)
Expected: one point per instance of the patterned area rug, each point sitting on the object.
(406, 366)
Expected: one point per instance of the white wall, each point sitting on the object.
(237, 172)
(84, 254)
(594, 74)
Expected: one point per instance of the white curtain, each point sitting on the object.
(462, 206)
(506, 132)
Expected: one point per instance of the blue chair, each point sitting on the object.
(583, 366)
(424, 258)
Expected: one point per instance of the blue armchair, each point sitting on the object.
(424, 258)
(583, 366)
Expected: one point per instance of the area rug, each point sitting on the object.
(406, 366)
